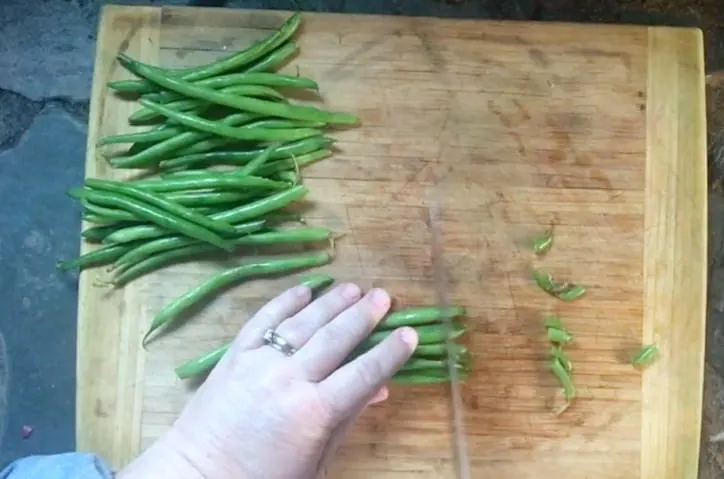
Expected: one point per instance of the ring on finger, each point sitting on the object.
(276, 341)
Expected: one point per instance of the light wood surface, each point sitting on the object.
(599, 129)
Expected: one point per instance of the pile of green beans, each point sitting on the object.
(225, 113)
(429, 362)
(225, 145)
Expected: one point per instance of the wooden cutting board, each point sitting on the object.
(598, 129)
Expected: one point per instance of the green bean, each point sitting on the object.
(110, 214)
(160, 133)
(316, 282)
(248, 104)
(543, 243)
(206, 198)
(159, 216)
(559, 336)
(569, 390)
(211, 181)
(645, 356)
(154, 199)
(96, 234)
(416, 364)
(553, 322)
(170, 242)
(572, 293)
(207, 361)
(220, 129)
(273, 59)
(558, 355)
(157, 152)
(97, 220)
(247, 236)
(298, 162)
(100, 256)
(230, 63)
(439, 350)
(545, 281)
(251, 167)
(202, 364)
(427, 334)
(172, 312)
(420, 315)
(184, 104)
(254, 78)
(233, 215)
(425, 376)
(194, 155)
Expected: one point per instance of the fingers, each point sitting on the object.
(270, 316)
(332, 343)
(302, 326)
(357, 381)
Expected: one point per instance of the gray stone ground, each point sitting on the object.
(46, 52)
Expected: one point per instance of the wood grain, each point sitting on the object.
(598, 129)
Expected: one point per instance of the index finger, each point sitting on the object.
(358, 380)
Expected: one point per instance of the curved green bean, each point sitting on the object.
(195, 198)
(96, 234)
(420, 315)
(155, 153)
(194, 155)
(211, 181)
(273, 59)
(297, 162)
(230, 63)
(166, 243)
(248, 235)
(248, 104)
(104, 255)
(159, 133)
(158, 216)
(233, 215)
(202, 364)
(172, 312)
(109, 214)
(277, 80)
(220, 129)
(154, 199)
(146, 114)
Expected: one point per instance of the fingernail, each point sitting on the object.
(408, 336)
(301, 291)
(350, 291)
(379, 297)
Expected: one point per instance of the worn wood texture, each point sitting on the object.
(514, 126)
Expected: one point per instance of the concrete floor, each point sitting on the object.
(46, 52)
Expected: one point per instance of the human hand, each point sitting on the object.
(261, 413)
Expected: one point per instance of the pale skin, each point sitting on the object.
(263, 414)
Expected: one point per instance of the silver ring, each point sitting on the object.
(272, 338)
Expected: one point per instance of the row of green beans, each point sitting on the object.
(429, 362)
(225, 145)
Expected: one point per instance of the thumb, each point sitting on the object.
(340, 432)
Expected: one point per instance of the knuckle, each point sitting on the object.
(371, 372)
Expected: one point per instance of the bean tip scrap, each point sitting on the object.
(645, 356)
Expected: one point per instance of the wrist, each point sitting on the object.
(165, 458)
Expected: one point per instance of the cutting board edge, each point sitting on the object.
(675, 253)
